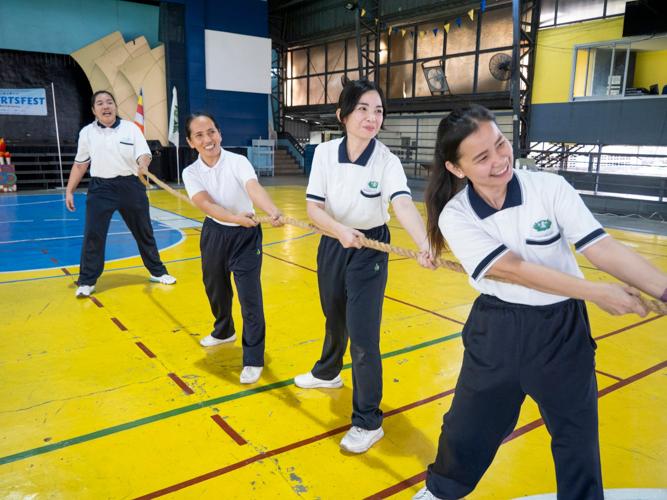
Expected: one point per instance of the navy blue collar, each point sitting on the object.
(363, 158)
(513, 198)
(116, 124)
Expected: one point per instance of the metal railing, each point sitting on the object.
(412, 139)
(293, 142)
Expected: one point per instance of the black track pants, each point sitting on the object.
(238, 250)
(352, 283)
(105, 196)
(511, 351)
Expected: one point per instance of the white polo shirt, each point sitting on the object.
(224, 182)
(112, 151)
(542, 213)
(356, 194)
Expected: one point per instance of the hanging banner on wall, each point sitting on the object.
(23, 102)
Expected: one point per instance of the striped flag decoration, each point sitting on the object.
(139, 117)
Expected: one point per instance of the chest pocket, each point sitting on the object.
(544, 241)
(126, 149)
(371, 190)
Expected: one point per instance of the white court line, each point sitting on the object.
(172, 220)
(183, 237)
(47, 220)
(620, 494)
(71, 237)
(31, 203)
(10, 221)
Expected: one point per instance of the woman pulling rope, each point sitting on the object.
(649, 305)
(524, 338)
(224, 186)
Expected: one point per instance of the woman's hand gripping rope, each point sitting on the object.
(649, 305)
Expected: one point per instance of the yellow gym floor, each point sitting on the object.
(113, 397)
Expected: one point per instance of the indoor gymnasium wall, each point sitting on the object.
(606, 121)
(553, 60)
(651, 68)
(64, 26)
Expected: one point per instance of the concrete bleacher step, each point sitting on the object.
(285, 164)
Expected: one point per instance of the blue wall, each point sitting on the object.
(65, 26)
(241, 116)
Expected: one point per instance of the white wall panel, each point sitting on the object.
(237, 63)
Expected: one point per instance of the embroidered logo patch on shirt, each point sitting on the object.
(371, 189)
(542, 225)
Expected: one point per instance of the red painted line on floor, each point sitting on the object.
(416, 479)
(419, 403)
(292, 263)
(523, 430)
(425, 310)
(397, 488)
(628, 327)
(45, 252)
(608, 375)
(228, 429)
(180, 383)
(54, 261)
(630, 380)
(386, 296)
(95, 301)
(65, 271)
(278, 451)
(119, 324)
(148, 352)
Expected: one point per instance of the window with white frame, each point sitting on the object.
(619, 69)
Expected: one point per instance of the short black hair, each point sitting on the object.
(92, 99)
(352, 92)
(194, 116)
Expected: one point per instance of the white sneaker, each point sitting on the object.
(165, 279)
(424, 494)
(307, 381)
(210, 340)
(250, 374)
(358, 440)
(85, 290)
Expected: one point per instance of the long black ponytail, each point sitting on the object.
(442, 184)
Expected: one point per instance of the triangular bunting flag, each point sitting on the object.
(412, 34)
(395, 31)
(447, 27)
(402, 32)
(363, 12)
(376, 21)
(471, 13)
(435, 32)
(370, 16)
(458, 22)
(422, 33)
(384, 26)
(483, 5)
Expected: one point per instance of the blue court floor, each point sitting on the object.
(38, 232)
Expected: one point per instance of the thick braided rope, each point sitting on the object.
(650, 305)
